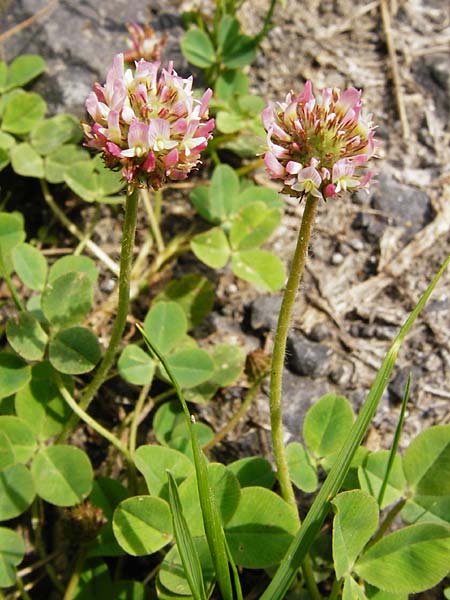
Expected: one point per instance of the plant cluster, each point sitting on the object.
(202, 524)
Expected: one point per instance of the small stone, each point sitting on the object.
(308, 358)
(319, 332)
(357, 244)
(264, 313)
(341, 375)
(398, 385)
(337, 259)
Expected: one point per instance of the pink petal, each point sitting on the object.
(274, 167)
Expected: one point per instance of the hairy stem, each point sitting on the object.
(279, 349)
(276, 380)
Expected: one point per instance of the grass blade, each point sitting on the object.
(185, 543)
(395, 442)
(211, 520)
(310, 527)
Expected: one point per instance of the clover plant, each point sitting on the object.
(154, 490)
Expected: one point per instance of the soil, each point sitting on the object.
(372, 255)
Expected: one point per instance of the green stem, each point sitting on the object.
(23, 592)
(36, 519)
(136, 415)
(236, 418)
(75, 577)
(83, 415)
(387, 522)
(278, 357)
(12, 290)
(279, 349)
(126, 259)
(335, 589)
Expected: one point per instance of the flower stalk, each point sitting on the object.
(279, 349)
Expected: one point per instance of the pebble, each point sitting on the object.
(308, 358)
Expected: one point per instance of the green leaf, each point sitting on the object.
(262, 268)
(180, 437)
(375, 594)
(253, 226)
(240, 52)
(73, 264)
(23, 69)
(229, 122)
(57, 163)
(409, 561)
(185, 544)
(14, 374)
(129, 590)
(3, 75)
(231, 82)
(253, 471)
(352, 591)
(4, 159)
(22, 113)
(355, 521)
(191, 367)
(30, 266)
(6, 141)
(135, 365)
(16, 491)
(74, 351)
(142, 525)
(229, 364)
(12, 551)
(194, 293)
(106, 494)
(26, 161)
(302, 470)
(211, 247)
(427, 462)
(166, 418)
(228, 31)
(26, 336)
(48, 135)
(373, 471)
(93, 182)
(20, 436)
(94, 582)
(7, 456)
(197, 48)
(40, 403)
(427, 509)
(67, 299)
(166, 325)
(201, 201)
(258, 193)
(11, 234)
(172, 575)
(261, 529)
(223, 192)
(62, 475)
(154, 462)
(223, 486)
(327, 424)
(251, 105)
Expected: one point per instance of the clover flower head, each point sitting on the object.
(148, 123)
(319, 146)
(144, 43)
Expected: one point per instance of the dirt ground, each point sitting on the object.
(373, 254)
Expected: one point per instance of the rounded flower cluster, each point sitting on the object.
(319, 146)
(148, 123)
